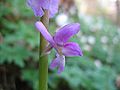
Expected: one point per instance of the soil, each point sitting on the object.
(10, 78)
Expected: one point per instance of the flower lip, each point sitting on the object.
(59, 62)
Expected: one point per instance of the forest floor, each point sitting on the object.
(10, 78)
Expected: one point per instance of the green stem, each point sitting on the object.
(43, 61)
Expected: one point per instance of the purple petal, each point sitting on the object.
(37, 9)
(38, 6)
(44, 3)
(72, 49)
(53, 7)
(64, 34)
(58, 62)
(45, 33)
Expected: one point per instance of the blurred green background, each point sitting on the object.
(99, 38)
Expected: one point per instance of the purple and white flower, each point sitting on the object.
(38, 7)
(60, 42)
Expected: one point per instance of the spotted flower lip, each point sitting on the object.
(38, 7)
(60, 42)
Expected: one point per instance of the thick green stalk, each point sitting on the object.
(43, 60)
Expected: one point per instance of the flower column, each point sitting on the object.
(43, 60)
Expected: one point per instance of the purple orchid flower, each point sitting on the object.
(60, 42)
(38, 6)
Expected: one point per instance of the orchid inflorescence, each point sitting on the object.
(60, 40)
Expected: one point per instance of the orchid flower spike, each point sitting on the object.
(60, 42)
(38, 7)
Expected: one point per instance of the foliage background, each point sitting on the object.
(99, 39)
